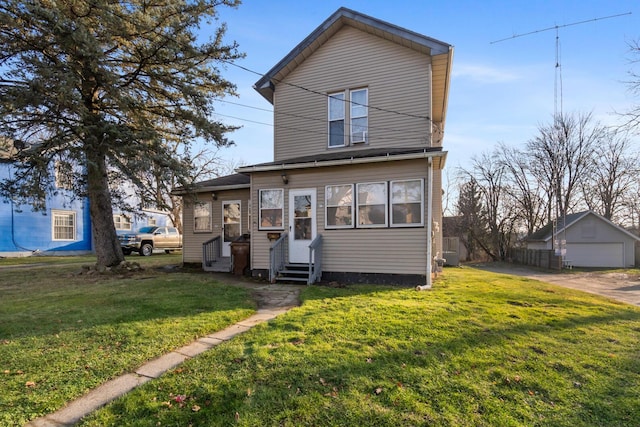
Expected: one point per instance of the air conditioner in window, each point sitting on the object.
(359, 137)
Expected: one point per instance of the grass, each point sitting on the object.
(62, 334)
(480, 349)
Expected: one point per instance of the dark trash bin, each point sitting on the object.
(240, 249)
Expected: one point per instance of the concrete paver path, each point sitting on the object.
(272, 301)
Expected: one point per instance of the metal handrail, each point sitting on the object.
(315, 260)
(277, 257)
(211, 250)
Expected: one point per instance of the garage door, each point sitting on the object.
(596, 254)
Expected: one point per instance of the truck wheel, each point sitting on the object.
(126, 252)
(146, 249)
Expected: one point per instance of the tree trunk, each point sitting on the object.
(108, 250)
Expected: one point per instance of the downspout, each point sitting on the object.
(429, 239)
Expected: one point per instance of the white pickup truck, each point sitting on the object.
(149, 238)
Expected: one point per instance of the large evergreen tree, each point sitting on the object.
(104, 84)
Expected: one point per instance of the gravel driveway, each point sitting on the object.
(618, 286)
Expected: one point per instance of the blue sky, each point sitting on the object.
(500, 92)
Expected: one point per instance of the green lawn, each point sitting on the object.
(480, 349)
(62, 334)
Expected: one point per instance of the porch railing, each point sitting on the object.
(211, 250)
(277, 256)
(315, 260)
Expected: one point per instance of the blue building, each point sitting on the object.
(63, 229)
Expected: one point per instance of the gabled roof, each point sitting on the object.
(442, 53)
(546, 233)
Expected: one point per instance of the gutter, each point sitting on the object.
(211, 188)
(350, 161)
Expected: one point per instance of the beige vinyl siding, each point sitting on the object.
(192, 242)
(367, 250)
(398, 79)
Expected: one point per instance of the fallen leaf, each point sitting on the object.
(517, 378)
(237, 416)
(323, 382)
(369, 360)
(180, 398)
(248, 392)
(378, 390)
(30, 384)
(195, 408)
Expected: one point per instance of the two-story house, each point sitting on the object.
(354, 189)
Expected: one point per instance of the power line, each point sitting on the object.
(415, 116)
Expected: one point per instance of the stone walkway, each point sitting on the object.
(272, 301)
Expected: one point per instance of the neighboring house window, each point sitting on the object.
(359, 116)
(336, 120)
(372, 204)
(202, 217)
(122, 222)
(271, 209)
(339, 206)
(64, 225)
(152, 222)
(407, 203)
(63, 175)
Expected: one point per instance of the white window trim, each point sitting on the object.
(386, 206)
(209, 207)
(331, 96)
(260, 227)
(414, 224)
(119, 224)
(327, 206)
(352, 116)
(56, 213)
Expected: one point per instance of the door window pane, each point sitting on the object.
(231, 221)
(302, 217)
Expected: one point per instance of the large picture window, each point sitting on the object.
(372, 204)
(359, 116)
(271, 209)
(64, 225)
(336, 119)
(407, 203)
(202, 217)
(339, 206)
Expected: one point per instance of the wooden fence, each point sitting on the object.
(543, 258)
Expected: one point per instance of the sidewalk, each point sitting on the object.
(272, 301)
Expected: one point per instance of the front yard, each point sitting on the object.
(479, 349)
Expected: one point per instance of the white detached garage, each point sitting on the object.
(590, 241)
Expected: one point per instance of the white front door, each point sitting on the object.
(302, 223)
(231, 225)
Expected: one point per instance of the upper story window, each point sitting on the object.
(359, 116)
(336, 120)
(63, 175)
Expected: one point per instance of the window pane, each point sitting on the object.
(359, 103)
(407, 213)
(371, 194)
(336, 106)
(64, 227)
(406, 202)
(339, 216)
(202, 216)
(339, 195)
(271, 218)
(336, 133)
(372, 215)
(271, 199)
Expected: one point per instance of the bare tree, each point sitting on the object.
(613, 175)
(523, 189)
(561, 157)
